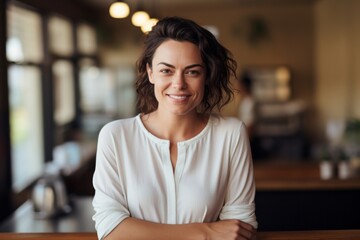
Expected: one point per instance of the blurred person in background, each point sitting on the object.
(247, 105)
(177, 170)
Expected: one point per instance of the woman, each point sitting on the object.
(176, 171)
(247, 104)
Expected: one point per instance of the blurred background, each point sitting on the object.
(68, 67)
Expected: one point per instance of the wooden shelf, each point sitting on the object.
(290, 175)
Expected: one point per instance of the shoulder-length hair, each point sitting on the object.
(218, 61)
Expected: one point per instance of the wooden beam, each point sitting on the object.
(5, 152)
(77, 10)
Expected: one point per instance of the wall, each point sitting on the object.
(337, 60)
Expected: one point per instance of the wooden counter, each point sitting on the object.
(78, 220)
(310, 235)
(293, 235)
(297, 175)
(291, 196)
(49, 236)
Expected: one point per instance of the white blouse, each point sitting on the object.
(213, 176)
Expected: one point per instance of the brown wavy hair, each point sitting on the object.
(218, 61)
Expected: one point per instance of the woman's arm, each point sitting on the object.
(240, 194)
(135, 229)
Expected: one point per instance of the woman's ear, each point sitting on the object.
(149, 73)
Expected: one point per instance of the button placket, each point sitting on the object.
(170, 184)
(180, 163)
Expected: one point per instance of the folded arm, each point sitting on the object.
(135, 229)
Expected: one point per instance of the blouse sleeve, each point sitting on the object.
(240, 194)
(109, 201)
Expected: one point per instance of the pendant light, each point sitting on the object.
(119, 9)
(147, 27)
(139, 18)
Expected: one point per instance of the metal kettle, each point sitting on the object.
(49, 197)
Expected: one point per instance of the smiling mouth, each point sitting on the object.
(178, 97)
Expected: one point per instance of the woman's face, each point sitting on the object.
(178, 75)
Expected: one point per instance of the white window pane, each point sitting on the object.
(92, 88)
(24, 41)
(26, 125)
(63, 74)
(60, 36)
(126, 93)
(89, 74)
(108, 91)
(86, 39)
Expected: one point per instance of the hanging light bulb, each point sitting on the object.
(119, 9)
(147, 27)
(139, 18)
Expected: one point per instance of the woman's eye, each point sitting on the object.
(166, 71)
(193, 72)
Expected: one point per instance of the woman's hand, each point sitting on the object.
(231, 230)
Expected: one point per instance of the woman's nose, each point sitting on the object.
(178, 81)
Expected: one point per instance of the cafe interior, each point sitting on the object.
(68, 68)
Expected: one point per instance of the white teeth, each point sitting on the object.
(178, 97)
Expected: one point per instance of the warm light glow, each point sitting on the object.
(282, 75)
(140, 18)
(147, 27)
(283, 93)
(119, 10)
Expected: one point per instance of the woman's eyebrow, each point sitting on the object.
(166, 64)
(194, 65)
(187, 67)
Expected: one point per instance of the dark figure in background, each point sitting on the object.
(247, 112)
(247, 104)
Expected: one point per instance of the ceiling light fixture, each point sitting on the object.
(119, 9)
(139, 18)
(147, 27)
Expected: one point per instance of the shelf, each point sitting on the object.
(297, 175)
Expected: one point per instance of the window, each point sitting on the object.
(64, 101)
(24, 48)
(43, 85)
(24, 42)
(97, 99)
(60, 36)
(61, 42)
(25, 124)
(86, 39)
(105, 94)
